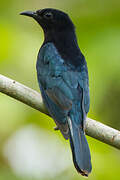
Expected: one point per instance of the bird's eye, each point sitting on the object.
(48, 15)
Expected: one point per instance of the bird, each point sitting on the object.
(63, 79)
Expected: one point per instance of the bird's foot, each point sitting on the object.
(56, 128)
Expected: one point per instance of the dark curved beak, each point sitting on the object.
(29, 13)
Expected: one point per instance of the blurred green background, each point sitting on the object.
(29, 147)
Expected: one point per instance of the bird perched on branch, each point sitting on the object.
(63, 79)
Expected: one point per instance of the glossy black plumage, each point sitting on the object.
(63, 80)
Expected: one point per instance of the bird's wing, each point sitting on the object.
(61, 85)
(55, 112)
(70, 86)
(59, 98)
(69, 91)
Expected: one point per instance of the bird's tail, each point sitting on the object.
(80, 149)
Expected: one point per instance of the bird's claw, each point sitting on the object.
(56, 128)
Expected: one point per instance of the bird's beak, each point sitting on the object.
(29, 13)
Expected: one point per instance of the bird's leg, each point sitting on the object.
(56, 128)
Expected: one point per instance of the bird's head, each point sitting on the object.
(51, 19)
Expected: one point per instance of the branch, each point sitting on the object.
(32, 98)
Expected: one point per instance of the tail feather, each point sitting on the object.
(80, 149)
